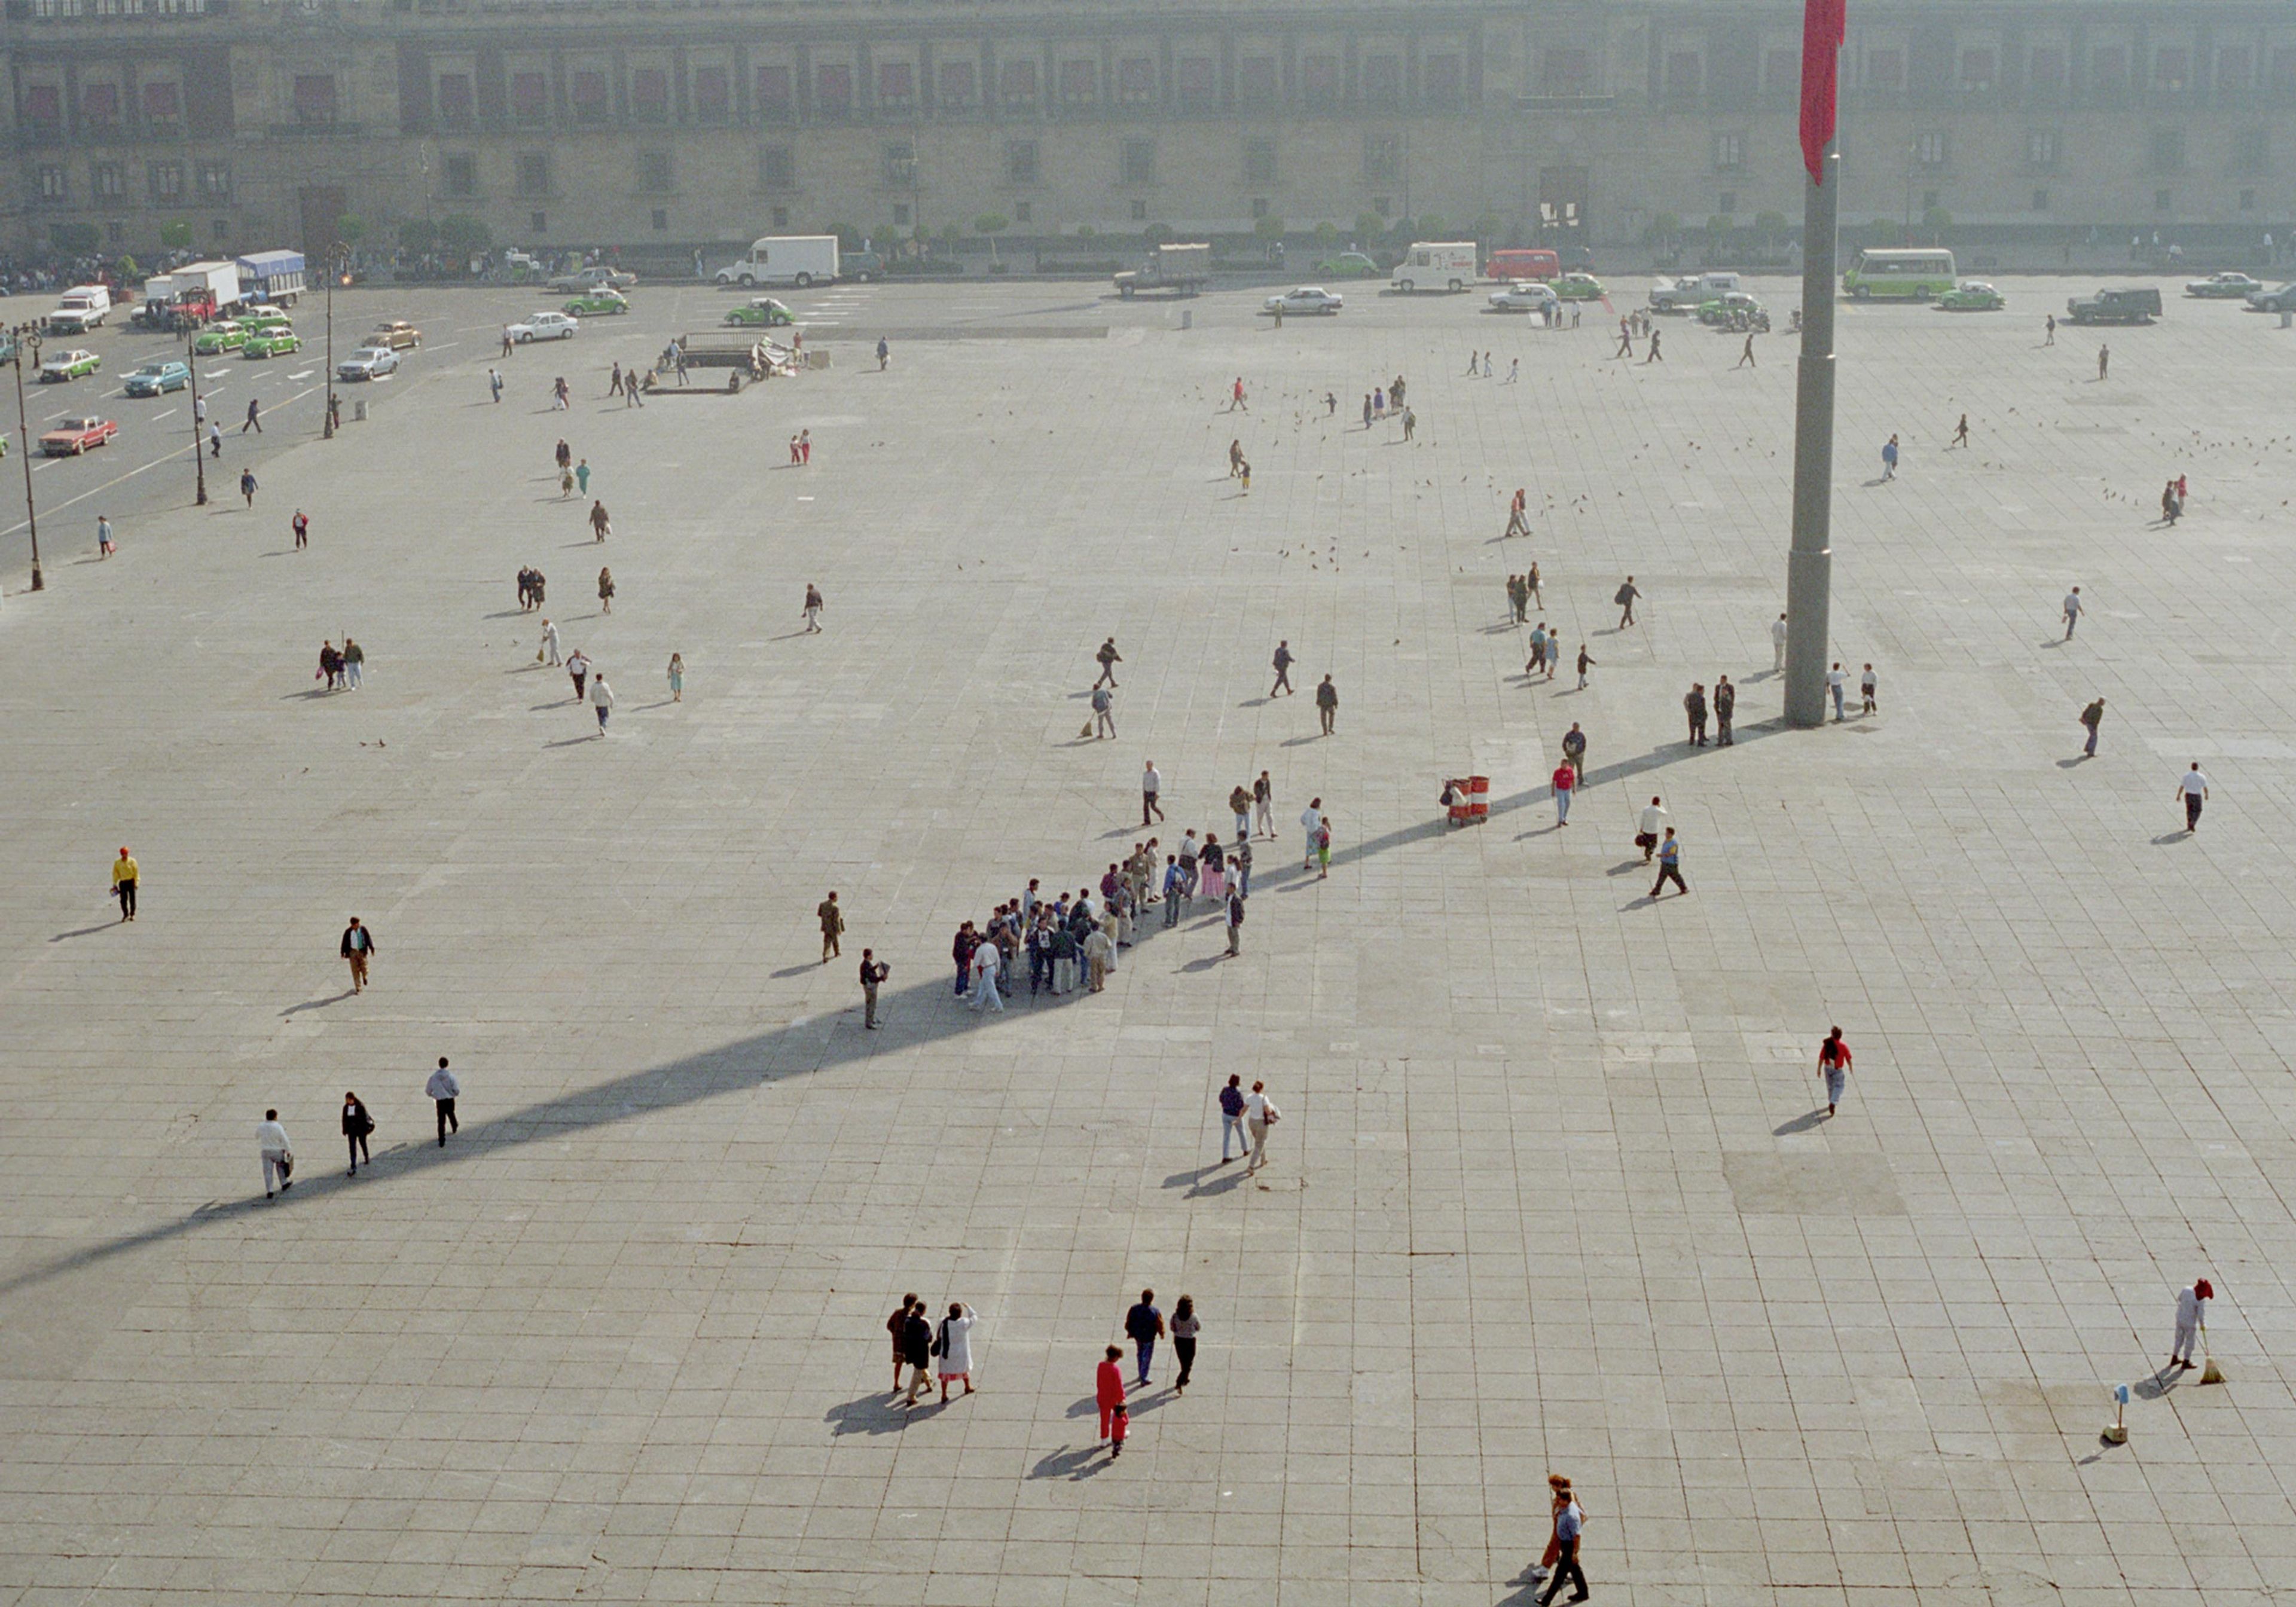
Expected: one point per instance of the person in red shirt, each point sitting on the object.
(1833, 1065)
(1120, 1422)
(1109, 1390)
(1565, 779)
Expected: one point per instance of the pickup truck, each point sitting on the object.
(1689, 294)
(2139, 304)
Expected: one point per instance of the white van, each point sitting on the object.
(82, 309)
(1447, 264)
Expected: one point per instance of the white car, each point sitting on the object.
(1307, 298)
(544, 326)
(1525, 296)
(368, 363)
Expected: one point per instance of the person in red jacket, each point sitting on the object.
(1109, 1389)
(1833, 1065)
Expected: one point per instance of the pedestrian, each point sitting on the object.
(1152, 783)
(1585, 663)
(561, 395)
(2103, 360)
(873, 972)
(605, 590)
(247, 487)
(125, 875)
(1311, 820)
(561, 454)
(215, 438)
(354, 663)
(1104, 715)
(103, 537)
(1366, 410)
(1536, 664)
(506, 351)
(1259, 1114)
(1518, 600)
(1410, 423)
(1625, 598)
(582, 476)
(614, 382)
(1230, 1108)
(1558, 1488)
(1530, 585)
(2170, 507)
(1960, 434)
(1653, 821)
(1120, 1425)
(444, 1089)
(1568, 1526)
(1514, 371)
(494, 384)
(601, 700)
(548, 652)
(1836, 682)
(602, 524)
(254, 417)
(1574, 751)
(1486, 370)
(832, 927)
(1099, 951)
(1833, 1065)
(1778, 646)
(357, 1125)
(1185, 1326)
(1239, 803)
(1243, 473)
(1108, 1388)
(953, 1343)
(357, 949)
(1670, 865)
(1263, 804)
(1889, 458)
(2092, 717)
(1868, 685)
(1746, 354)
(2194, 790)
(1694, 704)
(987, 964)
(677, 678)
(301, 524)
(2073, 605)
(278, 1157)
(1725, 709)
(1143, 1324)
(1283, 669)
(1109, 658)
(1653, 355)
(331, 665)
(1236, 396)
(1234, 919)
(2049, 338)
(578, 667)
(884, 354)
(812, 608)
(1626, 340)
(1327, 704)
(916, 1349)
(2192, 1322)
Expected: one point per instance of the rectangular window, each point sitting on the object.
(957, 85)
(99, 105)
(1442, 80)
(1139, 162)
(110, 181)
(661, 219)
(461, 175)
(2233, 66)
(2167, 149)
(650, 94)
(775, 100)
(1382, 81)
(1729, 153)
(2040, 147)
(2172, 68)
(1727, 202)
(1681, 76)
(1022, 212)
(2160, 199)
(1930, 147)
(1885, 70)
(2046, 69)
(1977, 70)
(534, 173)
(1319, 80)
(589, 97)
(781, 217)
(167, 181)
(1018, 83)
(1198, 82)
(454, 106)
(1383, 159)
(1020, 162)
(713, 96)
(163, 104)
(538, 221)
(1258, 206)
(653, 172)
(530, 97)
(1257, 82)
(1076, 83)
(315, 97)
(54, 189)
(1781, 72)
(896, 86)
(215, 180)
(2252, 150)
(901, 214)
(1565, 72)
(901, 164)
(1140, 211)
(1136, 81)
(1259, 161)
(2040, 201)
(777, 167)
(833, 89)
(2247, 200)
(2108, 67)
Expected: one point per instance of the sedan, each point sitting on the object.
(1523, 296)
(761, 311)
(1734, 309)
(368, 363)
(2282, 300)
(593, 279)
(1580, 287)
(2223, 287)
(397, 335)
(271, 344)
(542, 326)
(1972, 296)
(73, 437)
(598, 303)
(69, 365)
(156, 378)
(1307, 298)
(1348, 265)
(226, 336)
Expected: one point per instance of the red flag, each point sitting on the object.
(1822, 24)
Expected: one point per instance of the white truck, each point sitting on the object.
(1437, 264)
(792, 259)
(80, 308)
(190, 296)
(1691, 291)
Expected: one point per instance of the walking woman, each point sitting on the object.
(677, 678)
(1323, 848)
(606, 591)
(1833, 1065)
(1558, 1486)
(356, 1125)
(955, 1348)
(1185, 1325)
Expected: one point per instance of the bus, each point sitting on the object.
(1517, 262)
(1924, 275)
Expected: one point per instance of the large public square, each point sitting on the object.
(1554, 1190)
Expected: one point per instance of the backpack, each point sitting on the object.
(1626, 595)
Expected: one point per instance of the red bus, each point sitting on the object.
(1523, 263)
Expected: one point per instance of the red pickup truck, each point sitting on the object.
(73, 437)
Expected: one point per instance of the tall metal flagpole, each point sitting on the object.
(1809, 567)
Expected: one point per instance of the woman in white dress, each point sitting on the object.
(955, 1345)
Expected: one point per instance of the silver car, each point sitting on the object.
(368, 363)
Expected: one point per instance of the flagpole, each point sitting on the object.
(1809, 567)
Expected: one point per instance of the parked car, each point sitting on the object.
(1734, 309)
(596, 304)
(543, 327)
(73, 437)
(761, 312)
(257, 316)
(228, 335)
(2282, 300)
(1307, 298)
(593, 279)
(156, 378)
(862, 265)
(1580, 287)
(69, 365)
(2135, 304)
(1348, 265)
(368, 363)
(2223, 287)
(1523, 296)
(271, 344)
(398, 334)
(1690, 292)
(1972, 296)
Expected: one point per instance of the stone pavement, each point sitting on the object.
(1551, 1192)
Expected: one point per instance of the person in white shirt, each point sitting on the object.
(1258, 1110)
(1836, 682)
(445, 1088)
(2194, 790)
(1778, 646)
(278, 1161)
(1152, 783)
(602, 699)
(2191, 1317)
(987, 962)
(2072, 612)
(1310, 818)
(954, 1361)
(1655, 820)
(549, 654)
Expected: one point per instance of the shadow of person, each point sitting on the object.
(866, 1414)
(1802, 1123)
(1072, 1463)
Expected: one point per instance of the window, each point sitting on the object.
(1258, 206)
(1383, 205)
(315, 97)
(650, 94)
(2171, 68)
(215, 180)
(653, 172)
(1020, 162)
(2040, 201)
(530, 97)
(2167, 149)
(2046, 69)
(1136, 81)
(455, 110)
(896, 86)
(99, 106)
(661, 219)
(1781, 72)
(163, 104)
(775, 100)
(1139, 161)
(2233, 66)
(713, 94)
(1885, 70)
(1382, 81)
(589, 97)
(1929, 200)
(1319, 80)
(534, 173)
(1681, 76)
(1022, 212)
(220, 228)
(1442, 81)
(901, 164)
(1020, 84)
(1976, 70)
(833, 90)
(2108, 66)
(539, 222)
(781, 217)
(1729, 152)
(1140, 211)
(53, 190)
(1076, 83)
(777, 167)
(2247, 200)
(1256, 80)
(1564, 73)
(2040, 147)
(1259, 161)
(167, 181)
(1930, 148)
(461, 175)
(955, 85)
(2160, 201)
(1197, 79)
(1727, 202)
(2252, 150)
(43, 108)
(1382, 158)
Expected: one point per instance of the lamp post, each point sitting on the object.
(198, 464)
(29, 335)
(337, 264)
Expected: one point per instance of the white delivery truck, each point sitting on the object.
(1435, 264)
(792, 259)
(80, 309)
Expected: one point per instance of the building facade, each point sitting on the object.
(680, 122)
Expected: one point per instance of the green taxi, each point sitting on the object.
(1577, 287)
(226, 336)
(761, 312)
(1972, 296)
(1348, 265)
(597, 303)
(260, 317)
(271, 344)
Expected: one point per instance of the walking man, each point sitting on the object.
(1152, 783)
(1327, 704)
(2092, 717)
(1778, 646)
(1868, 688)
(254, 417)
(1259, 1112)
(2072, 612)
(2195, 789)
(1726, 707)
(1283, 669)
(1565, 781)
(601, 524)
(1570, 1524)
(1836, 682)
(1517, 524)
(1669, 865)
(578, 671)
(247, 487)
(1109, 659)
(1653, 821)
(444, 1089)
(1625, 598)
(494, 384)
(1103, 718)
(1960, 434)
(1585, 663)
(601, 700)
(1626, 340)
(1144, 1325)
(215, 438)
(1231, 1106)
(1311, 821)
(1263, 803)
(357, 948)
(2103, 360)
(1653, 355)
(278, 1160)
(124, 876)
(1234, 918)
(2050, 337)
(1890, 459)
(1746, 355)
(1574, 751)
(302, 524)
(873, 972)
(812, 608)
(549, 653)
(1694, 704)
(1235, 396)
(832, 927)
(1833, 1065)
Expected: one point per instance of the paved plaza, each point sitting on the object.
(1554, 1190)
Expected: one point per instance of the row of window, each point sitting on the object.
(164, 182)
(104, 105)
(2250, 150)
(1884, 69)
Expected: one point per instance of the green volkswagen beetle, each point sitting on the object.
(260, 317)
(597, 303)
(226, 336)
(1578, 287)
(761, 312)
(1972, 296)
(271, 343)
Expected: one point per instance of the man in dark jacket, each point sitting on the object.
(916, 1348)
(1725, 706)
(1143, 1324)
(1694, 704)
(358, 948)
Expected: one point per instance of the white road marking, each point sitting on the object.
(171, 412)
(304, 374)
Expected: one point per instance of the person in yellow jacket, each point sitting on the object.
(123, 884)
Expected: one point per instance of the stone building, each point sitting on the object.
(678, 122)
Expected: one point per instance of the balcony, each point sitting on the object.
(314, 130)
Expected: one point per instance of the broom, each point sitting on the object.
(2210, 1373)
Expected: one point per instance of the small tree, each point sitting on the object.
(418, 234)
(1770, 226)
(1268, 228)
(1489, 227)
(176, 235)
(990, 224)
(129, 269)
(1327, 235)
(351, 228)
(1370, 226)
(1156, 234)
(1430, 226)
(1937, 220)
(1664, 227)
(1085, 231)
(848, 238)
(463, 235)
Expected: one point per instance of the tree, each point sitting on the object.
(1085, 231)
(991, 225)
(1268, 227)
(1770, 226)
(848, 238)
(1430, 226)
(460, 233)
(1156, 234)
(129, 269)
(1490, 227)
(1664, 227)
(175, 233)
(1937, 220)
(1370, 226)
(1327, 235)
(351, 228)
(418, 234)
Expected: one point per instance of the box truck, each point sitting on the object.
(1435, 264)
(1182, 269)
(795, 260)
(273, 276)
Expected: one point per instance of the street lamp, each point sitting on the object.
(338, 263)
(29, 334)
(191, 355)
